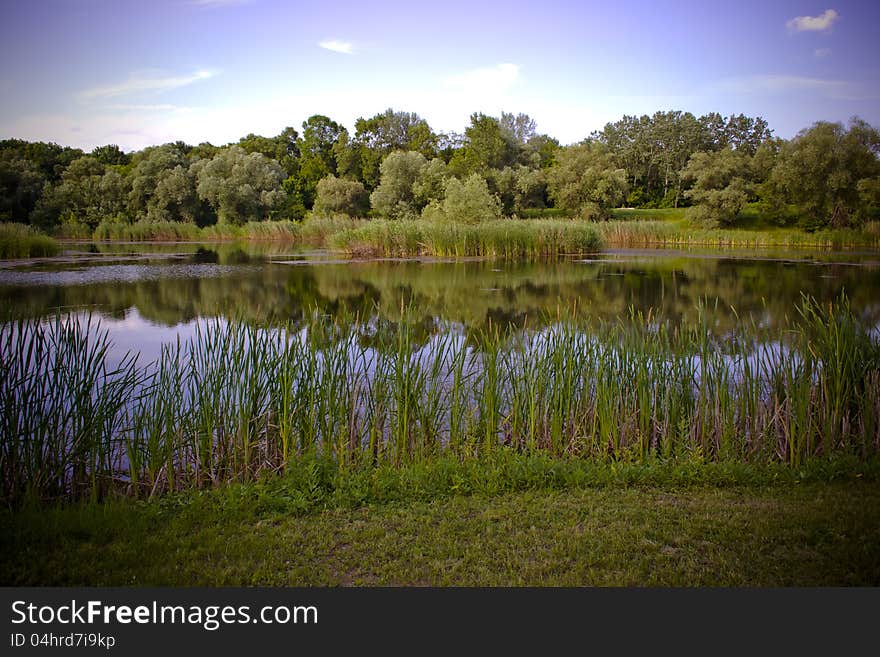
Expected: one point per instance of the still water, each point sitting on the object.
(147, 294)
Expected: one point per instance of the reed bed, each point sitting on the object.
(175, 231)
(21, 241)
(505, 238)
(237, 401)
(651, 233)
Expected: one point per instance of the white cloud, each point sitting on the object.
(139, 84)
(818, 23)
(345, 47)
(494, 80)
(822, 53)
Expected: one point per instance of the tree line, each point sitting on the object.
(395, 166)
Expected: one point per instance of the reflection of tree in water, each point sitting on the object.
(476, 295)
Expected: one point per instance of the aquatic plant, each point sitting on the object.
(237, 400)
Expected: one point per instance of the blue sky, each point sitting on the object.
(91, 72)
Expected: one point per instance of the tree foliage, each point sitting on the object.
(586, 180)
(239, 187)
(395, 197)
(340, 196)
(722, 184)
(825, 173)
(467, 202)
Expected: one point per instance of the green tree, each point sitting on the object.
(240, 187)
(586, 181)
(431, 182)
(149, 168)
(341, 196)
(86, 194)
(317, 156)
(467, 202)
(395, 196)
(111, 154)
(488, 146)
(822, 173)
(722, 184)
(175, 197)
(382, 134)
(50, 158)
(21, 185)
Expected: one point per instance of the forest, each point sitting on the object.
(396, 167)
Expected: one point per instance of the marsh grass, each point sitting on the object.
(506, 238)
(176, 231)
(237, 401)
(21, 241)
(650, 233)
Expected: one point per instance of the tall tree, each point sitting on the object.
(395, 197)
(823, 173)
(238, 186)
(587, 181)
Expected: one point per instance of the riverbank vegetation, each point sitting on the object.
(396, 168)
(20, 241)
(236, 402)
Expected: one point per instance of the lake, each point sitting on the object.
(147, 294)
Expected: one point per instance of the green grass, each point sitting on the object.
(516, 520)
(498, 239)
(636, 227)
(21, 241)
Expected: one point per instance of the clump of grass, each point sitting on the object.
(497, 239)
(22, 241)
(318, 229)
(143, 231)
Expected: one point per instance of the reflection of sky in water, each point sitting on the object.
(136, 335)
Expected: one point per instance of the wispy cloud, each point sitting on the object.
(778, 84)
(787, 84)
(822, 53)
(345, 47)
(136, 84)
(819, 23)
(495, 79)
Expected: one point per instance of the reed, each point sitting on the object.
(21, 241)
(506, 239)
(176, 231)
(651, 233)
(237, 401)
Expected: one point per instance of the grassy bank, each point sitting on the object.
(21, 241)
(235, 401)
(669, 227)
(511, 520)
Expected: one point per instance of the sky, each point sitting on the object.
(85, 73)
